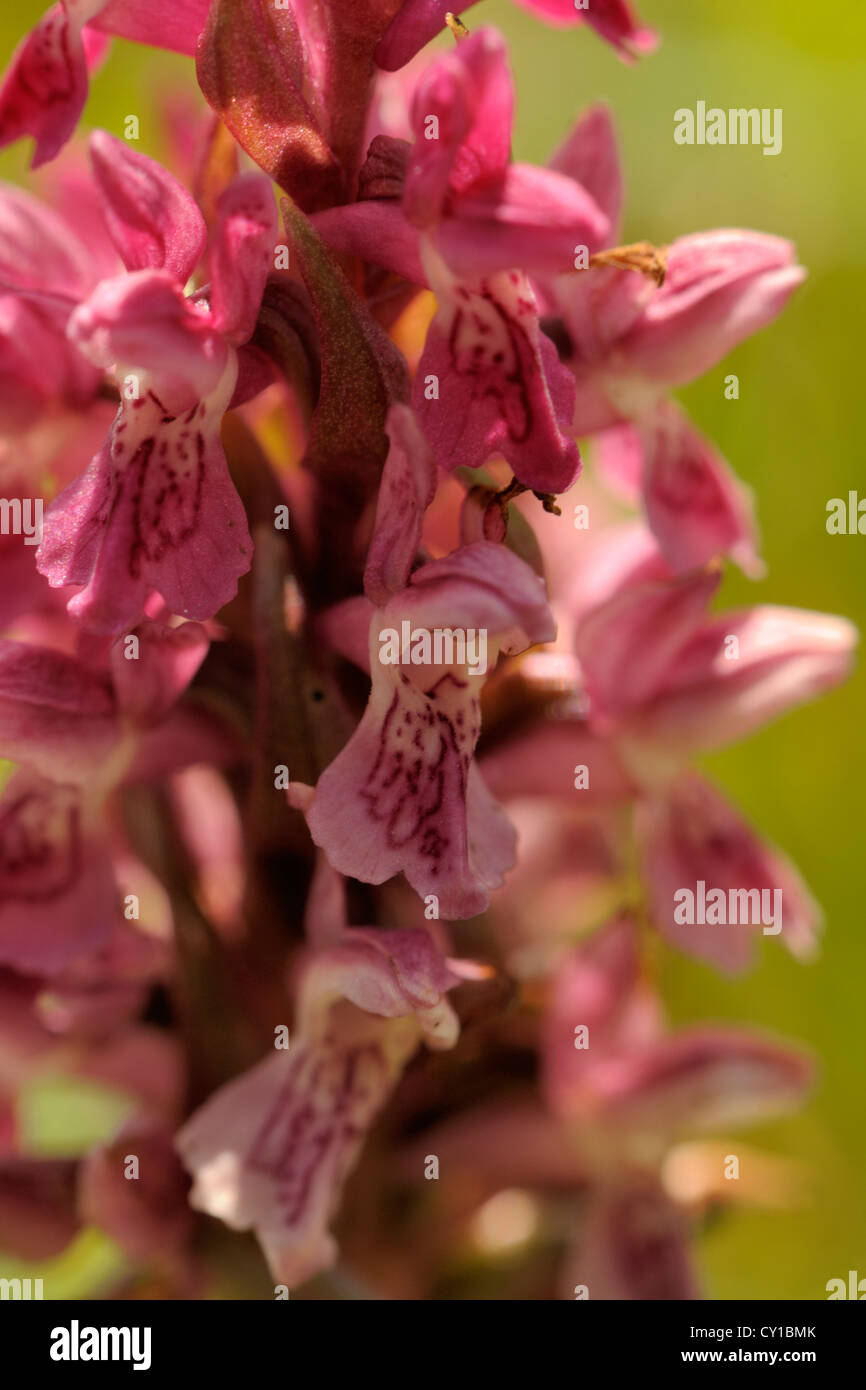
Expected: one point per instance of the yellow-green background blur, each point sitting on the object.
(796, 435)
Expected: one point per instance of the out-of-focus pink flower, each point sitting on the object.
(146, 1213)
(139, 1064)
(57, 713)
(613, 20)
(690, 835)
(627, 1074)
(78, 736)
(630, 340)
(58, 897)
(669, 678)
(570, 870)
(45, 87)
(695, 506)
(619, 1091)
(156, 510)
(271, 1150)
(418, 21)
(212, 829)
(634, 1244)
(99, 992)
(407, 774)
(46, 266)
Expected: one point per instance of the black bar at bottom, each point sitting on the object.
(281, 1338)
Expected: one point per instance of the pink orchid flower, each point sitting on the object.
(271, 1150)
(156, 509)
(52, 416)
(45, 87)
(472, 225)
(695, 506)
(418, 21)
(407, 774)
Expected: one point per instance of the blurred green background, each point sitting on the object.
(795, 435)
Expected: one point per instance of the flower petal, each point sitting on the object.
(595, 989)
(58, 898)
(164, 662)
(706, 1078)
(54, 712)
(462, 114)
(154, 223)
(633, 1244)
(720, 287)
(271, 1150)
(143, 321)
(45, 86)
(39, 250)
(626, 646)
(531, 218)
(241, 255)
(741, 670)
(39, 367)
(376, 231)
(172, 24)
(689, 834)
(696, 507)
(590, 156)
(613, 20)
(541, 762)
(415, 24)
(406, 491)
(389, 973)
